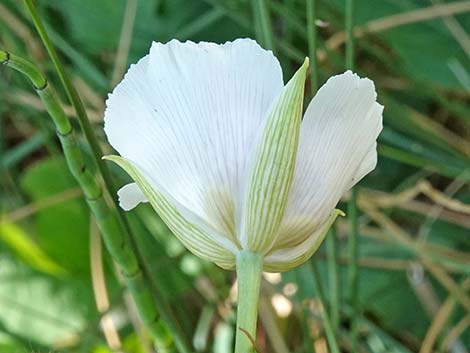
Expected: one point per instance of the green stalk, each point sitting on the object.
(330, 335)
(73, 98)
(353, 249)
(107, 219)
(304, 277)
(349, 24)
(102, 167)
(333, 276)
(330, 323)
(311, 6)
(353, 277)
(249, 270)
(263, 24)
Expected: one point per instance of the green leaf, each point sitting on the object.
(42, 309)
(16, 239)
(61, 230)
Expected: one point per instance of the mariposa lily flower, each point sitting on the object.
(215, 141)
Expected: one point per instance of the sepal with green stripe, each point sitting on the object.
(198, 237)
(272, 169)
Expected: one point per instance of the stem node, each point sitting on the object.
(5, 55)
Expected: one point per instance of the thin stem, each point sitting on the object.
(332, 323)
(122, 53)
(353, 277)
(349, 24)
(249, 270)
(263, 24)
(353, 249)
(73, 98)
(332, 261)
(311, 6)
(305, 281)
(93, 142)
(330, 335)
(107, 219)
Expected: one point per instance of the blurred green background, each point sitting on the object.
(59, 290)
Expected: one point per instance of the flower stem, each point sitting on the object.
(104, 173)
(353, 277)
(330, 334)
(263, 23)
(249, 269)
(111, 228)
(349, 23)
(73, 98)
(332, 260)
(353, 249)
(311, 10)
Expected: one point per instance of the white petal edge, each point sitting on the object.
(130, 196)
(337, 147)
(368, 164)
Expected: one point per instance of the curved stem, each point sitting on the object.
(330, 334)
(104, 172)
(263, 23)
(353, 249)
(111, 228)
(349, 24)
(73, 98)
(334, 288)
(249, 269)
(311, 9)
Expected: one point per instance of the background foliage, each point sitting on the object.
(414, 218)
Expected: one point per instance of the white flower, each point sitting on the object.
(214, 140)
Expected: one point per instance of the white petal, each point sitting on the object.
(337, 148)
(188, 114)
(130, 196)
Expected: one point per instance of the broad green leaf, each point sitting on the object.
(17, 239)
(61, 230)
(41, 308)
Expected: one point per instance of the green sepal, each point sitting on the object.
(273, 167)
(284, 262)
(201, 242)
